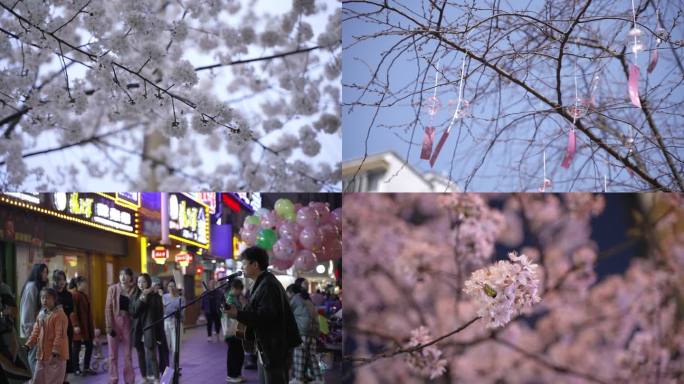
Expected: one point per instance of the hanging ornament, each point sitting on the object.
(570, 149)
(432, 105)
(660, 33)
(456, 115)
(634, 38)
(428, 139)
(546, 183)
(634, 85)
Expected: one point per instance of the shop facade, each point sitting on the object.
(84, 234)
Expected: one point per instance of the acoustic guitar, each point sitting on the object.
(245, 335)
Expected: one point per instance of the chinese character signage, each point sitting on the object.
(188, 220)
(97, 210)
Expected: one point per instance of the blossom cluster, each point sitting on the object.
(426, 361)
(504, 290)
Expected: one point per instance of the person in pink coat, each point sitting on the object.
(118, 326)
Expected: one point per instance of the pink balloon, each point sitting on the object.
(251, 227)
(305, 260)
(269, 220)
(332, 250)
(336, 216)
(310, 238)
(322, 210)
(284, 249)
(281, 264)
(308, 217)
(248, 236)
(288, 231)
(328, 232)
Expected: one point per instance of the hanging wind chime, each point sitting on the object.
(457, 114)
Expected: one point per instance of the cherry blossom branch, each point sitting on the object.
(548, 364)
(263, 58)
(369, 359)
(88, 140)
(94, 58)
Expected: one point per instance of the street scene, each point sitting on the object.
(125, 287)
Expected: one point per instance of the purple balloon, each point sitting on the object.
(288, 231)
(336, 216)
(308, 217)
(248, 236)
(328, 232)
(269, 220)
(310, 238)
(322, 209)
(281, 264)
(332, 250)
(305, 261)
(284, 249)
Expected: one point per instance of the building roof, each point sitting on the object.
(383, 160)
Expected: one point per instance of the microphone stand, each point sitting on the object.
(177, 315)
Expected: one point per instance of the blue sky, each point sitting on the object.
(515, 163)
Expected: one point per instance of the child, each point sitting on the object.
(99, 360)
(50, 336)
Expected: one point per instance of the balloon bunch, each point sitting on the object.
(297, 235)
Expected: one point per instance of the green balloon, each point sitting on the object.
(283, 206)
(290, 216)
(266, 238)
(253, 220)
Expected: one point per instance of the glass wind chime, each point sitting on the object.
(432, 105)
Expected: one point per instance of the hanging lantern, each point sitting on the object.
(184, 259)
(71, 260)
(160, 254)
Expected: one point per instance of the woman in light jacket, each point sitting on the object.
(118, 325)
(30, 305)
(173, 300)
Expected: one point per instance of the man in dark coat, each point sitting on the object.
(268, 318)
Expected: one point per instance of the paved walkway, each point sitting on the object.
(201, 362)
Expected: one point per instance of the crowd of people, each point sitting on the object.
(278, 327)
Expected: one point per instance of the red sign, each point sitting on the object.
(184, 259)
(160, 254)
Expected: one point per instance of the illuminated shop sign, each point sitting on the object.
(132, 198)
(188, 220)
(207, 198)
(160, 254)
(126, 199)
(253, 199)
(101, 211)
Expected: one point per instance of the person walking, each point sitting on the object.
(148, 308)
(173, 300)
(82, 321)
(49, 336)
(268, 318)
(118, 325)
(11, 366)
(211, 304)
(236, 353)
(29, 305)
(64, 298)
(305, 358)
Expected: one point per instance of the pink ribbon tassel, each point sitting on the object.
(570, 150)
(654, 60)
(439, 148)
(428, 138)
(634, 85)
